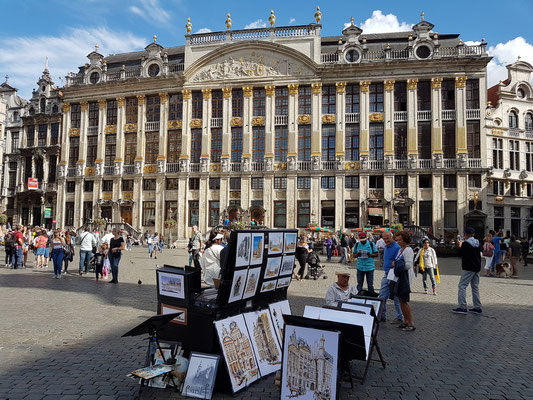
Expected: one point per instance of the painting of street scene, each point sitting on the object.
(275, 242)
(272, 267)
(171, 285)
(265, 345)
(258, 244)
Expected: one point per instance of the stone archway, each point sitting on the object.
(257, 214)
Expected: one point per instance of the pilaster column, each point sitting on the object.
(163, 134)
(388, 146)
(160, 203)
(460, 117)
(340, 122)
(292, 198)
(292, 146)
(364, 105)
(121, 140)
(247, 122)
(438, 203)
(412, 130)
(270, 112)
(141, 137)
(226, 134)
(316, 127)
(48, 134)
(436, 120)
(462, 199)
(102, 121)
(83, 132)
(65, 134)
(186, 131)
(206, 130)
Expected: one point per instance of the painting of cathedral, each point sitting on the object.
(276, 312)
(243, 250)
(237, 350)
(266, 347)
(310, 362)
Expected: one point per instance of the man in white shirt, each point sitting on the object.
(87, 242)
(340, 290)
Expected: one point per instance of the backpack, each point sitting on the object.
(488, 249)
(11, 241)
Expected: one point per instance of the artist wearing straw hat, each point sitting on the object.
(340, 290)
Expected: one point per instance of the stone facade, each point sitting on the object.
(509, 121)
(280, 125)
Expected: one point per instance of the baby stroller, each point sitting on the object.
(315, 269)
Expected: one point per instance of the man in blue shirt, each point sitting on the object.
(496, 239)
(391, 251)
(365, 251)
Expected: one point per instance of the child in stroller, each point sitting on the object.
(315, 269)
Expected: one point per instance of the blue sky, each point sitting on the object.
(66, 31)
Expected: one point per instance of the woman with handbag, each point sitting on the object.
(69, 252)
(116, 246)
(403, 269)
(427, 258)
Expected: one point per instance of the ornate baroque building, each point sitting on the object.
(278, 124)
(510, 137)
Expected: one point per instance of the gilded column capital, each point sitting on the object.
(102, 103)
(436, 83)
(187, 94)
(293, 88)
(364, 86)
(84, 105)
(121, 101)
(141, 99)
(341, 87)
(460, 81)
(412, 84)
(269, 90)
(316, 87)
(163, 97)
(206, 93)
(66, 107)
(226, 92)
(389, 85)
(247, 91)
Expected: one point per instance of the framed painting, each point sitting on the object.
(168, 309)
(287, 265)
(264, 342)
(276, 312)
(254, 274)
(200, 379)
(275, 242)
(244, 245)
(238, 285)
(258, 246)
(171, 285)
(273, 266)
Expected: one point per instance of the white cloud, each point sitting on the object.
(203, 30)
(151, 11)
(382, 23)
(23, 58)
(292, 20)
(507, 53)
(256, 24)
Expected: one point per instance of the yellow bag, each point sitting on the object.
(437, 274)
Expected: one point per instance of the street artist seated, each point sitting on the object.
(340, 290)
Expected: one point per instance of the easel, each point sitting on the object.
(151, 326)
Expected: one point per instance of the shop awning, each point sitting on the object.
(375, 211)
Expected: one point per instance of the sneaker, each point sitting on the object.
(460, 310)
(54, 277)
(475, 310)
(396, 321)
(434, 293)
(59, 276)
(425, 291)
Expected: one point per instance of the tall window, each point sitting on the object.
(529, 156)
(328, 142)
(257, 183)
(425, 213)
(280, 214)
(216, 144)
(30, 136)
(448, 94)
(303, 182)
(514, 154)
(75, 115)
(149, 184)
(54, 133)
(473, 139)
(131, 110)
(513, 119)
(236, 144)
(152, 147)
(400, 96)
(127, 185)
(424, 140)
(282, 101)
(74, 151)
(194, 212)
(43, 105)
(352, 98)
(450, 181)
(376, 141)
(52, 169)
(400, 181)
(329, 93)
(107, 186)
(194, 183)
(472, 94)
(175, 107)
(130, 148)
(197, 105)
(110, 149)
(237, 103)
(43, 130)
(111, 112)
(281, 143)
(424, 95)
(474, 180)
(214, 212)
(400, 141)
(235, 183)
(450, 214)
(351, 182)
(172, 183)
(304, 142)
(214, 183)
(280, 182)
(497, 188)
(528, 122)
(327, 182)
(352, 142)
(448, 139)
(174, 145)
(351, 214)
(216, 104)
(258, 143)
(92, 146)
(69, 213)
(14, 141)
(148, 213)
(259, 102)
(196, 145)
(153, 108)
(304, 100)
(497, 153)
(303, 210)
(93, 114)
(376, 97)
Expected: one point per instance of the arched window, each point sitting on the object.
(513, 119)
(32, 111)
(55, 109)
(43, 105)
(529, 121)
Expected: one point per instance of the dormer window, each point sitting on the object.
(55, 109)
(94, 77)
(43, 105)
(352, 56)
(44, 88)
(423, 52)
(32, 111)
(153, 70)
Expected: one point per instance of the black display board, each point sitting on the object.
(177, 286)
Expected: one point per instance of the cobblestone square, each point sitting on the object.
(61, 338)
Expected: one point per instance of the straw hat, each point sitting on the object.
(343, 272)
